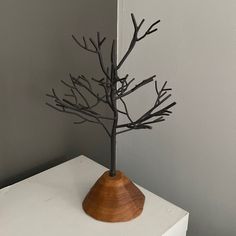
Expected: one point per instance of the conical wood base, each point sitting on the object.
(114, 199)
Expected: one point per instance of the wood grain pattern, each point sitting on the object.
(114, 199)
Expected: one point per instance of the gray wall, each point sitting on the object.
(190, 159)
(36, 52)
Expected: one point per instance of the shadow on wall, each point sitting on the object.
(37, 51)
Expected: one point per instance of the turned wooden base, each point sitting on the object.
(114, 199)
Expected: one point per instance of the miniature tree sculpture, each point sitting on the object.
(115, 88)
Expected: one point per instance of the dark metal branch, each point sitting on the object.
(84, 119)
(160, 119)
(77, 90)
(161, 112)
(124, 78)
(68, 85)
(144, 82)
(98, 80)
(113, 56)
(84, 98)
(106, 85)
(82, 77)
(65, 105)
(158, 102)
(83, 46)
(70, 112)
(146, 118)
(121, 112)
(73, 95)
(97, 50)
(115, 88)
(150, 30)
(126, 110)
(106, 90)
(106, 129)
(135, 37)
(83, 109)
(87, 112)
(100, 42)
(76, 81)
(123, 131)
(79, 122)
(124, 86)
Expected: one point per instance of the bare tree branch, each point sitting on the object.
(82, 100)
(85, 46)
(144, 82)
(72, 113)
(97, 48)
(123, 131)
(147, 117)
(114, 88)
(135, 37)
(126, 110)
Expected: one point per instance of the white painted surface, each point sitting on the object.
(190, 158)
(49, 204)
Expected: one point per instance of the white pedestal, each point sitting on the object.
(49, 204)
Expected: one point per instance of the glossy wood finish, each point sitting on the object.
(114, 199)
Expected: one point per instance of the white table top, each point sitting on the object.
(49, 204)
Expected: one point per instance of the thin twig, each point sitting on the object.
(144, 82)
